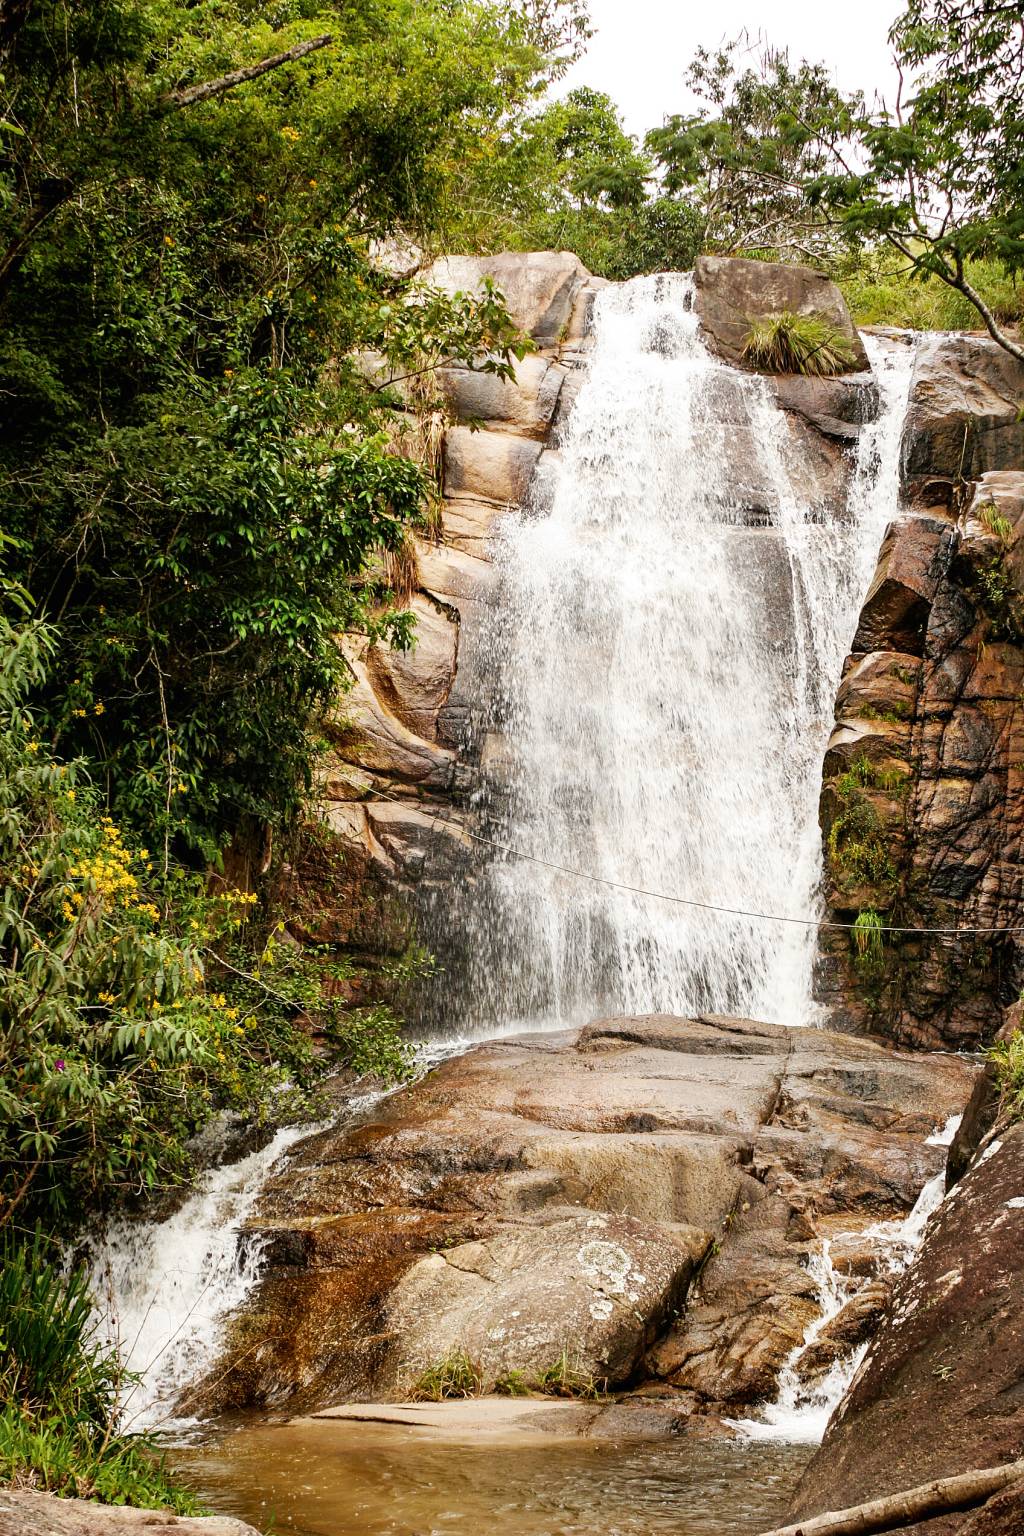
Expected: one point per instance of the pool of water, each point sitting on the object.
(324, 1479)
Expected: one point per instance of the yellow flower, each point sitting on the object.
(79, 714)
(229, 373)
(260, 197)
(168, 240)
(107, 997)
(98, 709)
(70, 794)
(33, 746)
(312, 181)
(291, 134)
(66, 912)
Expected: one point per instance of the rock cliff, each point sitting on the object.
(923, 796)
(409, 727)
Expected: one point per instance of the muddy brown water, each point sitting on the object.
(324, 1479)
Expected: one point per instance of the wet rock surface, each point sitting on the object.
(636, 1201)
(43, 1514)
(941, 1389)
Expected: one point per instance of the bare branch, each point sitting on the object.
(193, 93)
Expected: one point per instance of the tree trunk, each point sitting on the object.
(942, 1496)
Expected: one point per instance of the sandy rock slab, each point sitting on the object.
(631, 1202)
(42, 1514)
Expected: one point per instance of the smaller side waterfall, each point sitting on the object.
(164, 1289)
(801, 1410)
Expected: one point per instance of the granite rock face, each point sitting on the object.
(941, 1389)
(634, 1202)
(407, 728)
(43, 1514)
(922, 805)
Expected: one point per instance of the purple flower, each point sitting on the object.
(59, 1066)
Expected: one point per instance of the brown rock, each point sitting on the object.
(962, 416)
(455, 1218)
(43, 1514)
(524, 404)
(731, 292)
(941, 1389)
(541, 288)
(414, 685)
(496, 466)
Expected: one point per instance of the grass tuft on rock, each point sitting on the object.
(792, 343)
(454, 1376)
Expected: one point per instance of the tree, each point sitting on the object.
(744, 159)
(940, 176)
(195, 469)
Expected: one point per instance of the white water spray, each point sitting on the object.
(665, 647)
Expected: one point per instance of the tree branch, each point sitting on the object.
(193, 93)
(942, 1496)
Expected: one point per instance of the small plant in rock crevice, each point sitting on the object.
(512, 1384)
(991, 518)
(793, 343)
(453, 1377)
(567, 1378)
(1007, 1057)
(868, 942)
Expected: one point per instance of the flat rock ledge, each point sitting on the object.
(630, 1205)
(43, 1514)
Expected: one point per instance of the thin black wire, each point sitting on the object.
(681, 901)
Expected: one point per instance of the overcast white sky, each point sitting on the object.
(642, 47)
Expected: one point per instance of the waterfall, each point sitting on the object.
(662, 657)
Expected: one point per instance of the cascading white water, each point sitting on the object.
(664, 674)
(164, 1288)
(802, 1409)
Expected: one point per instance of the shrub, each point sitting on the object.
(867, 939)
(132, 1004)
(60, 1388)
(1007, 1056)
(791, 343)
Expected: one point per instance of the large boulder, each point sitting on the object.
(732, 292)
(550, 1198)
(941, 1389)
(963, 415)
(541, 288)
(525, 403)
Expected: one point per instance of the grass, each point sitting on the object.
(454, 1376)
(563, 1378)
(991, 518)
(59, 1389)
(791, 343)
(879, 291)
(1007, 1056)
(867, 938)
(512, 1384)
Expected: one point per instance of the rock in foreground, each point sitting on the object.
(544, 1205)
(43, 1514)
(941, 1389)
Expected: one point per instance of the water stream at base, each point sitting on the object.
(661, 656)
